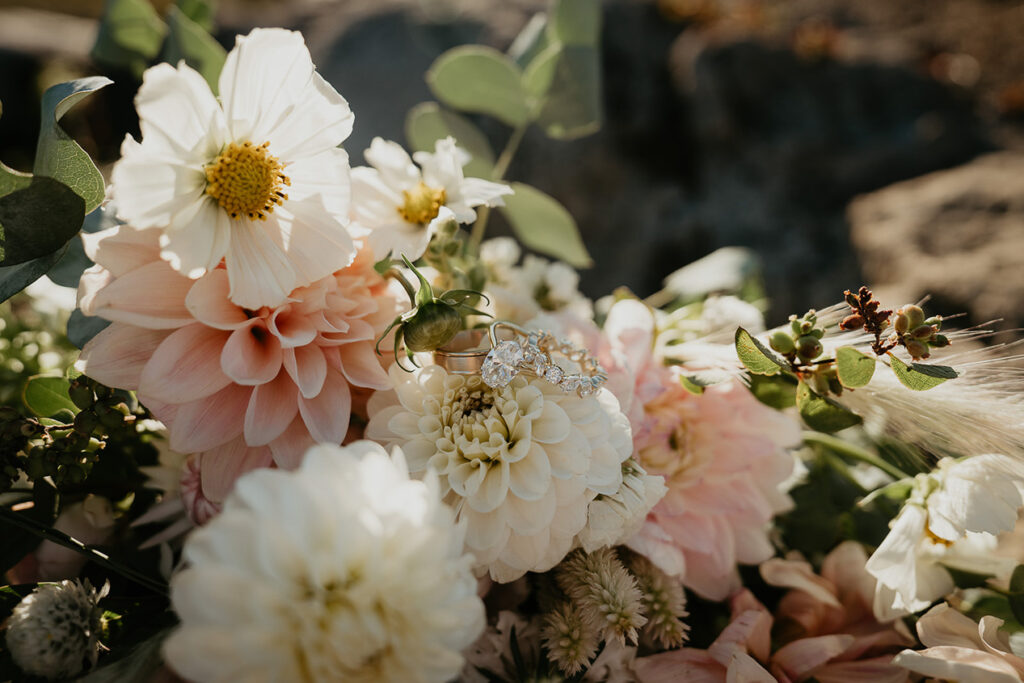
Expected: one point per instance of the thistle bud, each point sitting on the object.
(782, 342)
(808, 347)
(915, 316)
(917, 349)
(852, 322)
(434, 325)
(923, 332)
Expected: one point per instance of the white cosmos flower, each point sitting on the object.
(949, 520)
(256, 178)
(401, 205)
(520, 464)
(343, 570)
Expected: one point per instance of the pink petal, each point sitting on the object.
(327, 414)
(361, 366)
(291, 327)
(801, 657)
(186, 366)
(122, 249)
(251, 355)
(307, 367)
(271, 409)
(152, 296)
(208, 302)
(117, 355)
(289, 448)
(211, 421)
(222, 466)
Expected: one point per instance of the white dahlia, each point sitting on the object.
(255, 178)
(519, 464)
(343, 570)
(402, 205)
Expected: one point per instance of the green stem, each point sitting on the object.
(500, 167)
(48, 533)
(405, 284)
(849, 450)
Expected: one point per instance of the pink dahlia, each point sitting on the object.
(245, 388)
(724, 456)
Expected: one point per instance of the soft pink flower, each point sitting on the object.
(243, 388)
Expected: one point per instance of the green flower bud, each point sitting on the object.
(915, 316)
(86, 421)
(817, 333)
(808, 347)
(935, 321)
(434, 325)
(782, 342)
(902, 323)
(917, 349)
(939, 341)
(806, 326)
(81, 395)
(923, 332)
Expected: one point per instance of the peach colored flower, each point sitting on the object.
(242, 387)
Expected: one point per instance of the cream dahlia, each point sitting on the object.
(519, 464)
(344, 570)
(255, 178)
(402, 205)
(244, 387)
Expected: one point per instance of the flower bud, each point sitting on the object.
(434, 325)
(817, 333)
(808, 347)
(923, 332)
(806, 326)
(81, 395)
(852, 322)
(915, 316)
(851, 299)
(917, 349)
(939, 341)
(902, 323)
(782, 342)
(795, 325)
(935, 321)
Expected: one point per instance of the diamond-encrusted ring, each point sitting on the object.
(526, 351)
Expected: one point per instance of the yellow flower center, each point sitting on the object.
(422, 203)
(246, 180)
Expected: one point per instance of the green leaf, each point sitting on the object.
(13, 279)
(777, 391)
(920, 377)
(531, 41)
(1016, 601)
(37, 220)
(130, 35)
(576, 22)
(427, 123)
(697, 381)
(200, 11)
(855, 369)
(543, 224)
(822, 413)
(757, 357)
(189, 41)
(964, 579)
(566, 82)
(82, 328)
(141, 663)
(46, 395)
(57, 155)
(1017, 579)
(480, 79)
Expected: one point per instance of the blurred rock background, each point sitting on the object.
(844, 142)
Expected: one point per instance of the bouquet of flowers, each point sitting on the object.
(321, 428)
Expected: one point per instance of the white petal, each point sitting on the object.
(197, 237)
(259, 272)
(393, 164)
(178, 114)
(150, 188)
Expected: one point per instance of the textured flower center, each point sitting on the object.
(246, 180)
(422, 203)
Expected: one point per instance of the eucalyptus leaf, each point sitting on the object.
(543, 224)
(37, 220)
(189, 41)
(855, 369)
(13, 279)
(58, 156)
(757, 357)
(427, 123)
(480, 79)
(696, 381)
(82, 328)
(823, 413)
(571, 105)
(776, 391)
(531, 41)
(1017, 579)
(576, 22)
(46, 396)
(919, 376)
(130, 35)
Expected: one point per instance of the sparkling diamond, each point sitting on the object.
(588, 387)
(554, 374)
(501, 363)
(507, 352)
(570, 383)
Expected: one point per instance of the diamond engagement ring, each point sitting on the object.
(515, 351)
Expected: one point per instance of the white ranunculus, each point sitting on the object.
(255, 178)
(401, 205)
(521, 464)
(343, 570)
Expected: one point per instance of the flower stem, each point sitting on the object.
(48, 533)
(849, 450)
(500, 167)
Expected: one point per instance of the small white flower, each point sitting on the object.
(950, 520)
(401, 205)
(520, 464)
(256, 178)
(56, 629)
(615, 518)
(344, 569)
